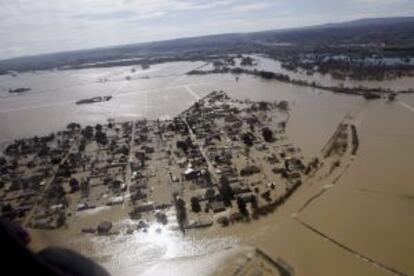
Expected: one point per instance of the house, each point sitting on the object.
(294, 164)
(144, 208)
(271, 158)
(239, 189)
(182, 162)
(104, 227)
(247, 198)
(279, 169)
(218, 206)
(190, 174)
(292, 175)
(261, 147)
(249, 170)
(115, 201)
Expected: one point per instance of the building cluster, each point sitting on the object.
(220, 161)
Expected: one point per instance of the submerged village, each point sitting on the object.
(221, 161)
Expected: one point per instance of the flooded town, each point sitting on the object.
(212, 173)
(268, 153)
(222, 161)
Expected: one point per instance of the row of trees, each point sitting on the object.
(248, 138)
(181, 212)
(227, 195)
(90, 133)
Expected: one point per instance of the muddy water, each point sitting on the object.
(51, 104)
(370, 209)
(309, 126)
(368, 213)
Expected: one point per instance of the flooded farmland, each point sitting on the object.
(356, 220)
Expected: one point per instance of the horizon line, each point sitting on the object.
(198, 36)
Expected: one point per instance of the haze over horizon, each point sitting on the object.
(37, 27)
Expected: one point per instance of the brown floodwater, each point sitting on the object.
(361, 225)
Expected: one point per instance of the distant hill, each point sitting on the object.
(395, 31)
(374, 30)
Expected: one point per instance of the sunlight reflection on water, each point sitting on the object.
(159, 250)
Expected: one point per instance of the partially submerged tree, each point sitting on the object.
(73, 126)
(61, 219)
(181, 212)
(84, 187)
(98, 127)
(248, 138)
(101, 138)
(195, 204)
(74, 185)
(254, 202)
(283, 105)
(87, 133)
(242, 207)
(226, 191)
(263, 105)
(210, 194)
(267, 134)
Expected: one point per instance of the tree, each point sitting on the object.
(182, 145)
(61, 219)
(161, 218)
(82, 145)
(181, 212)
(6, 208)
(98, 128)
(283, 105)
(267, 74)
(246, 61)
(242, 207)
(84, 187)
(87, 132)
(8, 211)
(74, 185)
(125, 150)
(111, 123)
(251, 127)
(56, 191)
(226, 191)
(247, 138)
(210, 194)
(267, 134)
(3, 161)
(254, 202)
(263, 105)
(101, 138)
(195, 204)
(72, 126)
(141, 157)
(196, 105)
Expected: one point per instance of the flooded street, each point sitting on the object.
(360, 220)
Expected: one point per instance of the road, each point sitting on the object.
(203, 152)
(128, 170)
(50, 181)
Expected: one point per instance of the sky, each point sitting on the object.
(29, 27)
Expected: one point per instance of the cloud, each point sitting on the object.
(252, 7)
(106, 15)
(39, 26)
